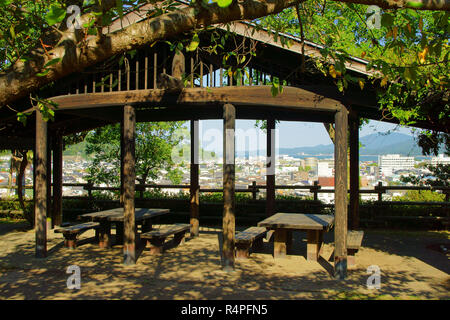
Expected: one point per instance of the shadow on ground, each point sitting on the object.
(193, 271)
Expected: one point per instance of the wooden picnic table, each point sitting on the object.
(142, 216)
(284, 223)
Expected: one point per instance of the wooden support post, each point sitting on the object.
(129, 176)
(270, 167)
(104, 234)
(211, 75)
(119, 79)
(192, 72)
(280, 243)
(340, 194)
(229, 122)
(137, 75)
(380, 191)
(40, 204)
(155, 70)
(57, 179)
(201, 73)
(314, 245)
(195, 186)
(49, 220)
(121, 163)
(146, 72)
(34, 175)
(127, 70)
(178, 65)
(354, 170)
(316, 185)
(254, 190)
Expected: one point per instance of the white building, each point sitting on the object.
(323, 169)
(392, 162)
(441, 159)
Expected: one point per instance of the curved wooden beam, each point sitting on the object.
(249, 96)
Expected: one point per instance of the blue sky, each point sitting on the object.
(297, 134)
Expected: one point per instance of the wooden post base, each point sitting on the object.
(119, 233)
(70, 240)
(104, 234)
(258, 244)
(279, 245)
(156, 245)
(242, 250)
(129, 254)
(340, 268)
(351, 260)
(146, 226)
(314, 246)
(179, 238)
(288, 241)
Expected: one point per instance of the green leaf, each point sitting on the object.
(13, 33)
(55, 15)
(274, 91)
(52, 62)
(194, 43)
(414, 4)
(22, 118)
(43, 73)
(224, 3)
(387, 20)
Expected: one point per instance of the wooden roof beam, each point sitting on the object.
(250, 96)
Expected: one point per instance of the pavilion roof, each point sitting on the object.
(309, 96)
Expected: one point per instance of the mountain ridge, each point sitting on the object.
(372, 144)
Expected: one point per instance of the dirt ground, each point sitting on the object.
(411, 268)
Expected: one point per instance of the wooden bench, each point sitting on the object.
(249, 238)
(71, 233)
(354, 240)
(157, 237)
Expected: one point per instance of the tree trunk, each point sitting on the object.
(10, 175)
(22, 78)
(20, 176)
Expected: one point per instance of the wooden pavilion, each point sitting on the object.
(157, 84)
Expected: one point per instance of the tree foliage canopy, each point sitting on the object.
(154, 144)
(408, 51)
(407, 48)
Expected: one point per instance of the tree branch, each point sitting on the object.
(22, 78)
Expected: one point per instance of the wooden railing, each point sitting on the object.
(254, 189)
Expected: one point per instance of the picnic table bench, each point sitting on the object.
(142, 216)
(284, 223)
(72, 232)
(251, 238)
(157, 237)
(354, 241)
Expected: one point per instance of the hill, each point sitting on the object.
(373, 144)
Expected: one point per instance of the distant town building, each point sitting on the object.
(392, 162)
(311, 162)
(324, 169)
(363, 182)
(440, 159)
(326, 181)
